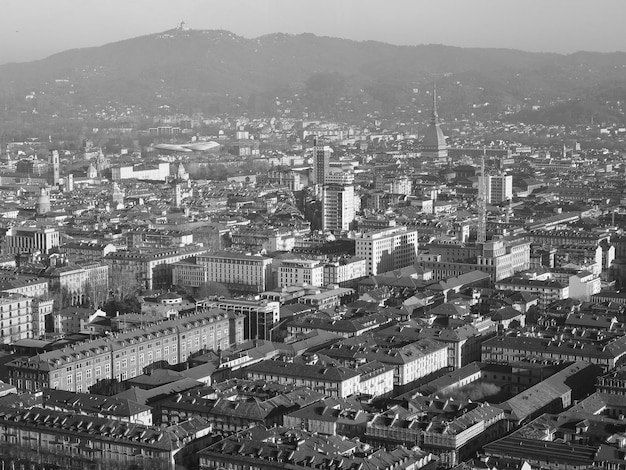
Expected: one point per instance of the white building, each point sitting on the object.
(16, 318)
(238, 271)
(299, 272)
(31, 239)
(158, 172)
(583, 285)
(499, 188)
(341, 272)
(338, 176)
(388, 249)
(338, 209)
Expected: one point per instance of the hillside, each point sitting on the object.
(218, 72)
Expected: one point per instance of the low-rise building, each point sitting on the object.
(548, 291)
(97, 405)
(329, 380)
(124, 355)
(283, 447)
(607, 353)
(57, 434)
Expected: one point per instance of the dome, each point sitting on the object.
(434, 138)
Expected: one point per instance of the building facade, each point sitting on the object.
(31, 239)
(388, 249)
(338, 209)
(123, 356)
(300, 272)
(237, 271)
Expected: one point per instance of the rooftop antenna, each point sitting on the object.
(481, 236)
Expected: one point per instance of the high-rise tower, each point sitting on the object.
(434, 144)
(321, 162)
(338, 210)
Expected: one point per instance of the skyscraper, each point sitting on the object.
(321, 162)
(499, 188)
(434, 144)
(338, 209)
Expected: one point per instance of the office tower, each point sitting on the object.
(499, 188)
(388, 249)
(321, 162)
(338, 209)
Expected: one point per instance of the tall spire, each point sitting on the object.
(481, 232)
(434, 118)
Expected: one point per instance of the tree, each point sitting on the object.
(212, 289)
(95, 294)
(124, 284)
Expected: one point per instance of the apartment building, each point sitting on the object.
(79, 283)
(548, 291)
(86, 251)
(125, 355)
(345, 272)
(329, 380)
(149, 268)
(41, 310)
(606, 352)
(289, 178)
(30, 286)
(300, 272)
(97, 405)
(189, 274)
(499, 258)
(157, 238)
(286, 447)
(410, 362)
(16, 318)
(387, 249)
(52, 434)
(237, 271)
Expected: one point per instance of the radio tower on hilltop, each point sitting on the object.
(481, 235)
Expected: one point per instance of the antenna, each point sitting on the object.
(481, 236)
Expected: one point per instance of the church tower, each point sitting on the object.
(434, 144)
(54, 164)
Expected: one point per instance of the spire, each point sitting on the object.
(434, 118)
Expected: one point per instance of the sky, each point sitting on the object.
(34, 29)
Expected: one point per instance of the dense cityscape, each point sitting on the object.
(406, 290)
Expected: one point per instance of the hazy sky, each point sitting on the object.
(33, 29)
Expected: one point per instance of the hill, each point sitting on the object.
(220, 72)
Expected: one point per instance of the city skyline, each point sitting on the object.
(558, 26)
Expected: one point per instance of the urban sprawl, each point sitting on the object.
(279, 293)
